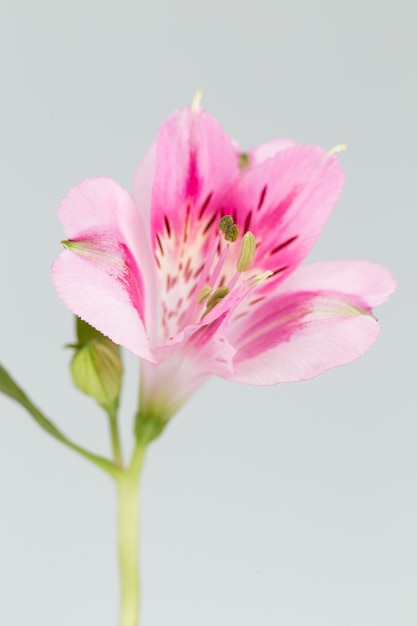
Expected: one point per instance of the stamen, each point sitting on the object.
(225, 223)
(203, 294)
(232, 234)
(219, 265)
(203, 278)
(215, 298)
(261, 278)
(247, 252)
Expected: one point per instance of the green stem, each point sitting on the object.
(115, 438)
(128, 543)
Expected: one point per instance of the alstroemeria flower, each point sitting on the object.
(156, 274)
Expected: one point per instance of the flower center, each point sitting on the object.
(206, 291)
(199, 269)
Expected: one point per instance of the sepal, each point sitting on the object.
(148, 427)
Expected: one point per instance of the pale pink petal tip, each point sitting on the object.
(319, 318)
(309, 353)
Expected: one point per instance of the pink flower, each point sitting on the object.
(138, 268)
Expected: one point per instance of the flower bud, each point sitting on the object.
(96, 366)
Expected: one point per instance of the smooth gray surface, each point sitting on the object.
(293, 505)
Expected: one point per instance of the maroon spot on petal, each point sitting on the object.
(247, 222)
(280, 270)
(283, 245)
(205, 204)
(199, 270)
(187, 271)
(186, 223)
(256, 300)
(159, 243)
(285, 204)
(167, 225)
(262, 197)
(210, 223)
(239, 315)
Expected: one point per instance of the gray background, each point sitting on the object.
(293, 505)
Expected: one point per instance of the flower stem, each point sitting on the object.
(115, 439)
(128, 543)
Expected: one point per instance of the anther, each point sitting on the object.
(247, 252)
(216, 297)
(229, 228)
(225, 223)
(203, 294)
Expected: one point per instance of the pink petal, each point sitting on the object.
(194, 163)
(370, 281)
(309, 353)
(183, 367)
(302, 330)
(285, 201)
(268, 150)
(98, 277)
(100, 300)
(180, 186)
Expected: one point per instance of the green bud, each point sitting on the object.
(97, 371)
(96, 366)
